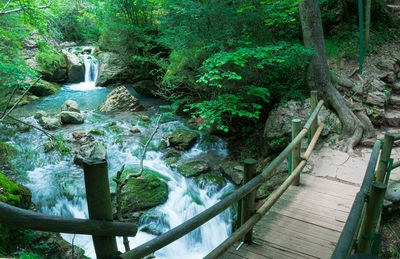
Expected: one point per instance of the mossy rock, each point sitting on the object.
(172, 156)
(6, 152)
(183, 139)
(44, 88)
(194, 168)
(143, 193)
(210, 180)
(117, 129)
(146, 171)
(15, 195)
(97, 132)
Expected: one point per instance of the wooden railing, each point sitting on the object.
(248, 188)
(103, 230)
(359, 234)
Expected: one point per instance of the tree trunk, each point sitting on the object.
(319, 76)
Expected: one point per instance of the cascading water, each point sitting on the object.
(58, 187)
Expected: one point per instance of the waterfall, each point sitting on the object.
(91, 68)
(91, 65)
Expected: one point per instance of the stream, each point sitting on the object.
(57, 184)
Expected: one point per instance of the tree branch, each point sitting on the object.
(19, 100)
(20, 9)
(30, 125)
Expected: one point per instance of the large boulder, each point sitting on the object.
(70, 106)
(183, 139)
(232, 170)
(194, 168)
(120, 100)
(15, 195)
(95, 151)
(111, 69)
(143, 193)
(44, 88)
(47, 122)
(68, 117)
(278, 127)
(75, 67)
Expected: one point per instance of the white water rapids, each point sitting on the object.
(58, 187)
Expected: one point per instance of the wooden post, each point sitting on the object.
(314, 103)
(99, 204)
(385, 156)
(248, 202)
(372, 215)
(296, 151)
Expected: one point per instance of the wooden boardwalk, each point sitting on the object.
(306, 222)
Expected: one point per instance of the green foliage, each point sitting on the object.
(240, 90)
(48, 58)
(59, 143)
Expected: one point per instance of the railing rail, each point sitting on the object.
(352, 226)
(21, 218)
(198, 220)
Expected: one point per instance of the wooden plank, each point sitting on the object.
(320, 210)
(315, 203)
(310, 229)
(311, 215)
(317, 183)
(318, 198)
(337, 226)
(231, 255)
(268, 229)
(301, 249)
(264, 249)
(312, 194)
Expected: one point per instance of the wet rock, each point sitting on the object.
(44, 88)
(145, 87)
(27, 99)
(143, 193)
(171, 157)
(94, 151)
(210, 181)
(49, 123)
(97, 132)
(70, 106)
(232, 170)
(145, 118)
(194, 168)
(134, 130)
(75, 67)
(183, 139)
(78, 135)
(120, 100)
(72, 117)
(39, 114)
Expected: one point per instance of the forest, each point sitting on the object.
(176, 94)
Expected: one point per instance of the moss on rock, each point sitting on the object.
(183, 139)
(18, 196)
(144, 192)
(194, 168)
(44, 88)
(97, 132)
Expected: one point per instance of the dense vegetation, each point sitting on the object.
(217, 60)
